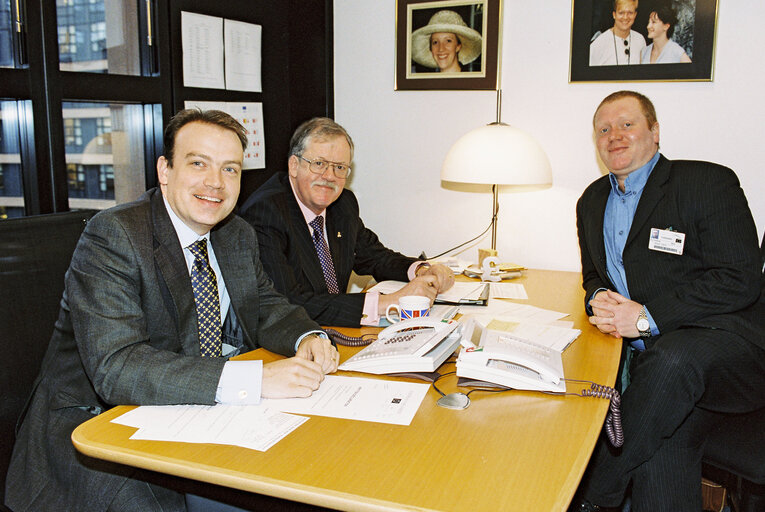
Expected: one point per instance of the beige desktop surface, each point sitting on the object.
(515, 450)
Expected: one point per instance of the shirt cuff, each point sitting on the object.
(654, 327)
(320, 334)
(588, 308)
(369, 315)
(240, 383)
(412, 272)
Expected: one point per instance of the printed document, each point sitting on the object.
(358, 398)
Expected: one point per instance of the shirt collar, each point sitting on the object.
(308, 215)
(186, 235)
(636, 180)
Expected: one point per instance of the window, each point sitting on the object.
(11, 186)
(103, 139)
(98, 36)
(88, 136)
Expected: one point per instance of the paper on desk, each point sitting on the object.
(524, 311)
(358, 398)
(250, 426)
(507, 291)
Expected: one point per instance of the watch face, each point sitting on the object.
(643, 324)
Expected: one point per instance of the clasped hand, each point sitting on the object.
(301, 375)
(615, 314)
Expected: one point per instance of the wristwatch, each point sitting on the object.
(643, 325)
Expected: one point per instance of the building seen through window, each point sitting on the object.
(104, 153)
(98, 36)
(11, 186)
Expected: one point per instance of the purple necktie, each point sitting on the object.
(322, 250)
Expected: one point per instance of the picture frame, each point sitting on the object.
(695, 32)
(476, 23)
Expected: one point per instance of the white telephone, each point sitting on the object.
(512, 361)
(414, 345)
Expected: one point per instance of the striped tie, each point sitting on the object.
(205, 288)
(322, 250)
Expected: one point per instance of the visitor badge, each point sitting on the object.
(666, 240)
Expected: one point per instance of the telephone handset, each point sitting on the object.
(511, 361)
(413, 345)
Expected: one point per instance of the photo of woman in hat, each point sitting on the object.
(446, 43)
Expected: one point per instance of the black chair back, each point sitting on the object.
(34, 255)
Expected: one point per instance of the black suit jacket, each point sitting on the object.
(127, 334)
(289, 256)
(716, 282)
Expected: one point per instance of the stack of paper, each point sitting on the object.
(250, 426)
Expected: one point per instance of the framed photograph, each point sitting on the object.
(447, 44)
(649, 40)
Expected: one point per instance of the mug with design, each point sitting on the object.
(410, 306)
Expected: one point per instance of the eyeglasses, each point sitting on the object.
(627, 49)
(319, 166)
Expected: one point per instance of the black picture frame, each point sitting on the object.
(695, 32)
(484, 16)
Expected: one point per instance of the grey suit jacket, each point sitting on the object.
(716, 282)
(289, 255)
(127, 334)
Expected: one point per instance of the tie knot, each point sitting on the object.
(199, 249)
(318, 224)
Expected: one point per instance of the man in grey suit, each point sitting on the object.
(284, 212)
(131, 323)
(670, 265)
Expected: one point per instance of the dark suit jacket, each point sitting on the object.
(289, 256)
(716, 282)
(127, 334)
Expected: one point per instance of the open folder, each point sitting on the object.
(472, 293)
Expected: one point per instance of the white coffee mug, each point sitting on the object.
(410, 306)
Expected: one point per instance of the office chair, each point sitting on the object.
(34, 255)
(734, 454)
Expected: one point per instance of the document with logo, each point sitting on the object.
(358, 398)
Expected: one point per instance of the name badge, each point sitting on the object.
(666, 240)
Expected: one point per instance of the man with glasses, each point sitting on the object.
(311, 236)
(619, 44)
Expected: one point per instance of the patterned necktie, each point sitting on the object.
(205, 288)
(322, 250)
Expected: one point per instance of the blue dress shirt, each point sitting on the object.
(620, 210)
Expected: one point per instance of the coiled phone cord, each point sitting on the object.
(350, 341)
(613, 423)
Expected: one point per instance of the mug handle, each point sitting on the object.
(387, 313)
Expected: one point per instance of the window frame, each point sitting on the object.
(41, 88)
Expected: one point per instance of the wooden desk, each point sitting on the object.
(511, 451)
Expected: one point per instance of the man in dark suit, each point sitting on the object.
(670, 264)
(134, 325)
(284, 212)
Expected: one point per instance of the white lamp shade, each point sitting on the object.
(497, 154)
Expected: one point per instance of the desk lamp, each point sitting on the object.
(497, 154)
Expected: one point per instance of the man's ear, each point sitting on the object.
(292, 165)
(655, 131)
(162, 170)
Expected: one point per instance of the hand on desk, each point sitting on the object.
(615, 314)
(301, 375)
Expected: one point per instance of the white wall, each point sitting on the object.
(401, 137)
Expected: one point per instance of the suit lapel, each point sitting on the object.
(594, 227)
(303, 242)
(341, 250)
(653, 192)
(168, 256)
